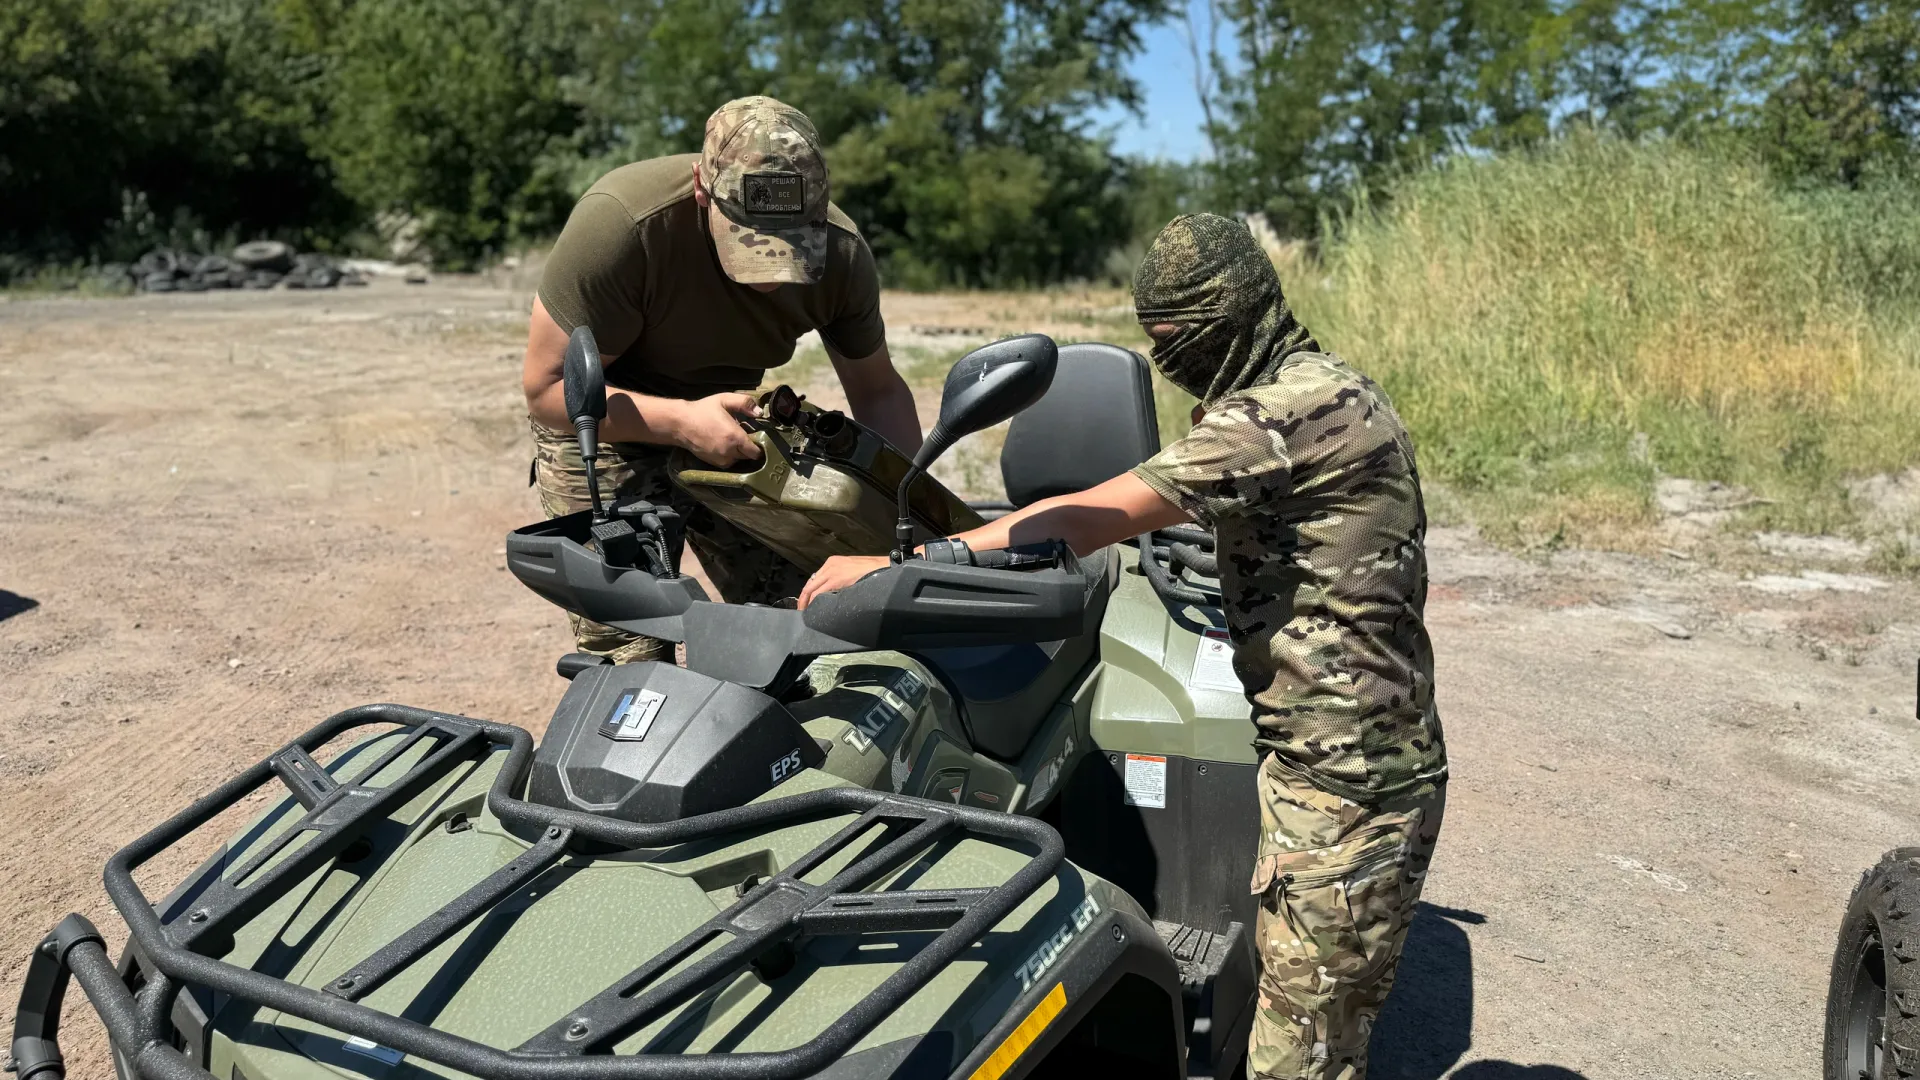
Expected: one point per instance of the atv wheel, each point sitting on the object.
(1873, 1001)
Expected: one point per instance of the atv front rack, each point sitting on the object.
(177, 947)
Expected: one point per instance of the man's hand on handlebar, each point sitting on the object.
(839, 572)
(710, 428)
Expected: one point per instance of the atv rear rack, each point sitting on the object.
(178, 946)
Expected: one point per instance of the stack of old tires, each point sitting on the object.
(261, 264)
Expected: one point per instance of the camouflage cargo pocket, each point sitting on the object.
(1337, 881)
(1305, 830)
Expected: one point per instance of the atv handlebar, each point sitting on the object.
(993, 598)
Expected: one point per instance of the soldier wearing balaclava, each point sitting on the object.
(1303, 471)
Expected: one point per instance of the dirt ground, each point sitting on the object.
(223, 517)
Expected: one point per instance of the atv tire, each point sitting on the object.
(1873, 999)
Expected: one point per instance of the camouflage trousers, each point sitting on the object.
(739, 566)
(1337, 883)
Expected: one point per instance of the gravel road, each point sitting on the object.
(223, 517)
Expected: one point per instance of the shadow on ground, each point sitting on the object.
(1427, 1026)
(12, 603)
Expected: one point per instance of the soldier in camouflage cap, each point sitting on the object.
(698, 273)
(768, 188)
(1303, 471)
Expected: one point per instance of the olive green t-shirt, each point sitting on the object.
(636, 262)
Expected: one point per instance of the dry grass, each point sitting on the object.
(1561, 327)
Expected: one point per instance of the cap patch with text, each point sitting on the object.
(776, 193)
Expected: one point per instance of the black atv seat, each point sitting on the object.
(1096, 421)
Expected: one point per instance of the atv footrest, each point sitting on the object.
(1216, 974)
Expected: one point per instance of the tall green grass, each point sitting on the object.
(1561, 326)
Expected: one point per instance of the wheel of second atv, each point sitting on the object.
(1873, 1001)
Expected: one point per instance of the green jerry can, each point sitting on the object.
(839, 476)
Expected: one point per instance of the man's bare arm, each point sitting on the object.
(1086, 520)
(880, 398)
(710, 426)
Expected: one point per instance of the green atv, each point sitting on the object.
(1873, 994)
(983, 814)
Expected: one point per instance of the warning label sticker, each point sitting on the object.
(1213, 664)
(1146, 781)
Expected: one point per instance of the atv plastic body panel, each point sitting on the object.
(1173, 762)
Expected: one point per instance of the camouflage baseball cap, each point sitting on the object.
(762, 166)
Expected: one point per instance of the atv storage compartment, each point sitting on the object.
(824, 486)
(653, 742)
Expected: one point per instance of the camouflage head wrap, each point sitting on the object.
(1207, 273)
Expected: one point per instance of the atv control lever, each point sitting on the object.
(1045, 555)
(654, 546)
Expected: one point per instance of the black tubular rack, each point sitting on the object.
(578, 1044)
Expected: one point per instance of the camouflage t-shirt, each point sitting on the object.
(1310, 487)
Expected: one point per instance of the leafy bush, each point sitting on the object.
(123, 120)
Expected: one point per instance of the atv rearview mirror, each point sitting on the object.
(986, 386)
(989, 385)
(585, 381)
(586, 394)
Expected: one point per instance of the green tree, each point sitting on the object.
(1330, 97)
(961, 142)
(456, 112)
(1848, 100)
(121, 118)
(652, 71)
(80, 81)
(957, 129)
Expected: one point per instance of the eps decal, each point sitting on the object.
(786, 766)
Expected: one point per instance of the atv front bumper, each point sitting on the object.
(178, 945)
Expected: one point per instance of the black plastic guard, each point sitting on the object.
(1151, 851)
(923, 605)
(551, 558)
(654, 742)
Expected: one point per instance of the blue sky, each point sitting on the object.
(1171, 126)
